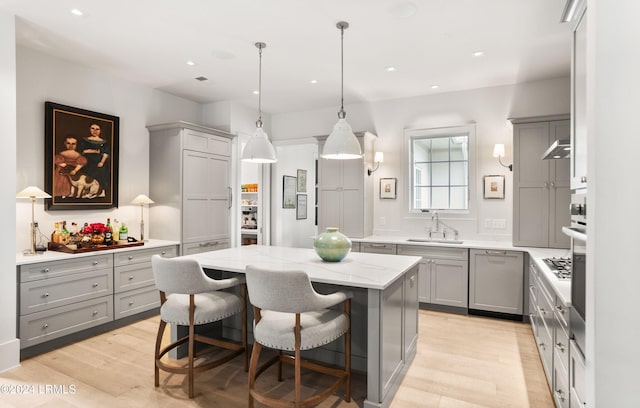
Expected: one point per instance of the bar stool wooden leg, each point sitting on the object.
(161, 328)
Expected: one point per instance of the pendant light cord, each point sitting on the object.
(342, 25)
(259, 121)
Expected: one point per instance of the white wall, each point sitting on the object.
(9, 344)
(489, 108)
(43, 78)
(613, 304)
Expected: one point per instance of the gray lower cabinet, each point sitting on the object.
(550, 324)
(378, 248)
(64, 297)
(443, 274)
(496, 281)
(577, 376)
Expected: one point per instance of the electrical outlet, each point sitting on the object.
(499, 223)
(487, 222)
(382, 221)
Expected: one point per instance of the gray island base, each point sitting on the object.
(384, 307)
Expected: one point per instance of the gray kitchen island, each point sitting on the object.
(384, 306)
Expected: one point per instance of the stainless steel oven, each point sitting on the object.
(578, 233)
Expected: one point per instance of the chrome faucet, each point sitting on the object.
(434, 216)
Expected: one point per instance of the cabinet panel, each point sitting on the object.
(424, 282)
(136, 301)
(449, 283)
(57, 268)
(496, 281)
(579, 105)
(352, 217)
(378, 248)
(411, 311)
(329, 209)
(133, 277)
(391, 332)
(204, 246)
(142, 255)
(532, 142)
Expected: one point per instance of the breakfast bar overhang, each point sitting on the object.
(384, 306)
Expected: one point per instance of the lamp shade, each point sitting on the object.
(32, 192)
(142, 199)
(259, 149)
(342, 144)
(498, 150)
(379, 157)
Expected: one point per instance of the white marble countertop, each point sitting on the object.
(561, 287)
(47, 256)
(370, 271)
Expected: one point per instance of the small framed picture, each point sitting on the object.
(288, 192)
(493, 187)
(302, 181)
(388, 187)
(301, 207)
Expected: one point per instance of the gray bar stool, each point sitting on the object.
(290, 316)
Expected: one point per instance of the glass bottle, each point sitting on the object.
(124, 232)
(108, 233)
(55, 235)
(115, 234)
(65, 237)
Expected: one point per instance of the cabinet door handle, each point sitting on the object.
(489, 252)
(130, 277)
(560, 347)
(130, 257)
(163, 253)
(560, 395)
(95, 263)
(45, 295)
(45, 270)
(95, 284)
(45, 326)
(95, 312)
(378, 245)
(553, 184)
(412, 281)
(230, 201)
(546, 184)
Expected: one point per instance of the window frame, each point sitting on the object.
(449, 131)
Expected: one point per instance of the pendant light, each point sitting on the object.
(342, 144)
(258, 149)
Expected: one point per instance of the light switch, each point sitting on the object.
(382, 221)
(487, 222)
(499, 223)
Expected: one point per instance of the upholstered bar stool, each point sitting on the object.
(190, 298)
(290, 316)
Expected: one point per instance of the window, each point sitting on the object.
(439, 160)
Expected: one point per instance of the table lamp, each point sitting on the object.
(142, 200)
(32, 193)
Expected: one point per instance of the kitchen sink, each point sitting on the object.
(438, 241)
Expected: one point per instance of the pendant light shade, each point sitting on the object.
(342, 144)
(259, 149)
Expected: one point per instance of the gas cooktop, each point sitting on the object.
(561, 267)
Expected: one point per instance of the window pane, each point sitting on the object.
(421, 149)
(459, 198)
(440, 176)
(421, 174)
(440, 149)
(459, 148)
(440, 198)
(459, 174)
(421, 199)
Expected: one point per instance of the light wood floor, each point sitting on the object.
(462, 362)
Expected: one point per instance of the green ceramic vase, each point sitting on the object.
(332, 245)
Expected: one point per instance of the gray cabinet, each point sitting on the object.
(67, 297)
(378, 248)
(579, 99)
(577, 376)
(496, 280)
(345, 191)
(190, 184)
(541, 192)
(443, 275)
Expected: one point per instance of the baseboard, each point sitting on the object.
(9, 355)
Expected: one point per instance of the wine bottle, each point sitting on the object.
(108, 233)
(124, 232)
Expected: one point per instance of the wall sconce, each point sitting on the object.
(142, 200)
(378, 158)
(498, 151)
(32, 193)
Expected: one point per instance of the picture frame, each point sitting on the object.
(301, 207)
(301, 181)
(388, 188)
(288, 192)
(493, 187)
(81, 158)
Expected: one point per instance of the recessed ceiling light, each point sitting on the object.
(390, 69)
(313, 81)
(76, 12)
(256, 92)
(191, 63)
(435, 86)
(478, 54)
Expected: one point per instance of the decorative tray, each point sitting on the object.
(90, 248)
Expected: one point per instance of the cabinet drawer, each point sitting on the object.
(136, 301)
(133, 277)
(562, 314)
(377, 248)
(461, 254)
(44, 294)
(355, 247)
(545, 348)
(560, 384)
(205, 246)
(50, 324)
(142, 255)
(561, 346)
(57, 268)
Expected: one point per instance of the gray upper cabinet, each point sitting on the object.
(345, 191)
(189, 180)
(540, 187)
(579, 101)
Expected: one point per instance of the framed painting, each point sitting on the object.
(288, 192)
(301, 207)
(493, 187)
(302, 181)
(388, 187)
(81, 158)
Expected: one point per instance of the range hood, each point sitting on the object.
(560, 149)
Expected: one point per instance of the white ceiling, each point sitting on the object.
(150, 41)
